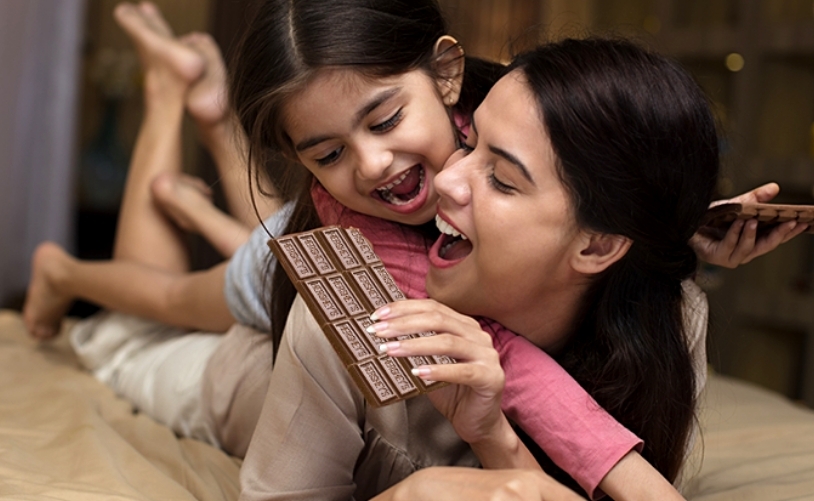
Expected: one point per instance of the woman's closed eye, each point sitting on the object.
(498, 184)
(330, 158)
(389, 123)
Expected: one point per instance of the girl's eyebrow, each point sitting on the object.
(371, 105)
(505, 154)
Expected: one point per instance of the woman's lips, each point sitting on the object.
(444, 255)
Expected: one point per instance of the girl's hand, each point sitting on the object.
(740, 244)
(472, 401)
(470, 484)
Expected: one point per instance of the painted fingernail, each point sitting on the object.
(377, 327)
(421, 371)
(389, 347)
(380, 313)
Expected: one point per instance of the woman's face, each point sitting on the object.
(374, 144)
(506, 198)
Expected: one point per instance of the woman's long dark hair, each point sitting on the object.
(286, 42)
(637, 150)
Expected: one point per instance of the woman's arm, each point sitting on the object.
(470, 484)
(308, 437)
(472, 402)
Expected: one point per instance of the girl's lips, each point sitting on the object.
(417, 202)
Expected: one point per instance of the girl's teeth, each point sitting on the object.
(396, 182)
(388, 196)
(447, 229)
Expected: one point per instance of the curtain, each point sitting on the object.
(40, 53)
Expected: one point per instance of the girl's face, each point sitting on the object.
(374, 144)
(506, 198)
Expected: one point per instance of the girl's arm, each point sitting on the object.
(633, 478)
(741, 244)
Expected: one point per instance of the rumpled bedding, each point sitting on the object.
(65, 436)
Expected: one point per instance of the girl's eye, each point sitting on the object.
(389, 123)
(329, 158)
(467, 149)
(498, 185)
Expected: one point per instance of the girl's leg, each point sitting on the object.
(187, 201)
(189, 300)
(222, 135)
(144, 235)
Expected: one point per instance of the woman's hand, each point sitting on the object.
(471, 484)
(741, 244)
(472, 401)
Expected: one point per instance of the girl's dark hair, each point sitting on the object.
(637, 150)
(287, 42)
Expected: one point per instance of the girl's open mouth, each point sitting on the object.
(451, 247)
(403, 190)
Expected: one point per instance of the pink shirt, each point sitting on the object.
(539, 395)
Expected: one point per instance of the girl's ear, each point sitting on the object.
(449, 66)
(598, 251)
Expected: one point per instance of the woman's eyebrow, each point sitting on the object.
(371, 105)
(512, 160)
(505, 154)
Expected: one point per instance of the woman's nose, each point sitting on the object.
(453, 181)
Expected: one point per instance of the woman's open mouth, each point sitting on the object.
(406, 192)
(451, 247)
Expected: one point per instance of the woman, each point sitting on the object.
(593, 163)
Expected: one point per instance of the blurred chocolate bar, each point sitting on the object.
(343, 281)
(718, 219)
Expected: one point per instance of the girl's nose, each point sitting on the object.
(452, 182)
(373, 162)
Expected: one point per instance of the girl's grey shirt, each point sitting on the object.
(248, 274)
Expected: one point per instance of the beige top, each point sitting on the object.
(234, 386)
(317, 438)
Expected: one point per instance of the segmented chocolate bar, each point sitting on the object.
(718, 219)
(343, 281)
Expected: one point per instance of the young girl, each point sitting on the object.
(534, 238)
(392, 125)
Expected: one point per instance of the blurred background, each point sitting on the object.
(70, 106)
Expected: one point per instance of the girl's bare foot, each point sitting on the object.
(207, 101)
(168, 64)
(182, 197)
(44, 304)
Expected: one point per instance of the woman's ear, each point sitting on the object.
(598, 251)
(449, 66)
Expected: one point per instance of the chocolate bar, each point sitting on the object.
(717, 220)
(343, 282)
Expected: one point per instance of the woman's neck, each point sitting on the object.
(550, 321)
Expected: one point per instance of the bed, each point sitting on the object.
(64, 436)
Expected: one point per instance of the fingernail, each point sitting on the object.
(377, 327)
(421, 371)
(388, 347)
(380, 313)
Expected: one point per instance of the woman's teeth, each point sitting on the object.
(447, 229)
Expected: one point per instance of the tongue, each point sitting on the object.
(409, 184)
(459, 250)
